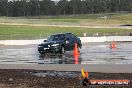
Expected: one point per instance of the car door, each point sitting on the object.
(69, 42)
(73, 40)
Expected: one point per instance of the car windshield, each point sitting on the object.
(56, 37)
(50, 38)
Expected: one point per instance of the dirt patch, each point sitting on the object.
(51, 79)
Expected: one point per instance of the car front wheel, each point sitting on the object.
(41, 52)
(62, 49)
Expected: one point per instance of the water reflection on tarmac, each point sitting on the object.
(91, 53)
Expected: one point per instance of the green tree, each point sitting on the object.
(3, 7)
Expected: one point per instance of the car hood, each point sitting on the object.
(48, 43)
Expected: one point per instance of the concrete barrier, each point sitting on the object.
(20, 42)
(107, 39)
(119, 38)
(93, 39)
(83, 39)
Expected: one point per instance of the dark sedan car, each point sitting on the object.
(59, 43)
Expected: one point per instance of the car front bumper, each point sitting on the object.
(49, 49)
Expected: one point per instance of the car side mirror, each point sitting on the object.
(45, 40)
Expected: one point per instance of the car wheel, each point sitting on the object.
(62, 49)
(41, 52)
(54, 52)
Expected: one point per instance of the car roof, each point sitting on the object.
(62, 33)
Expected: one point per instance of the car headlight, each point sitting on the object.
(54, 44)
(48, 45)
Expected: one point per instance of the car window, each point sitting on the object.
(67, 36)
(59, 37)
(62, 37)
(50, 38)
(72, 36)
(56, 37)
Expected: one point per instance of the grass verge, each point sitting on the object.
(32, 32)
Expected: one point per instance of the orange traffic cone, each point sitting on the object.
(76, 59)
(75, 52)
(113, 45)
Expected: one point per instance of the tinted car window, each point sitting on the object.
(72, 36)
(67, 36)
(58, 37)
(50, 38)
(62, 37)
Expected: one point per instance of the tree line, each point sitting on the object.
(16, 8)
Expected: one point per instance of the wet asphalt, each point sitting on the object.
(90, 53)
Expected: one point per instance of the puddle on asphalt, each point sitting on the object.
(97, 53)
(58, 59)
